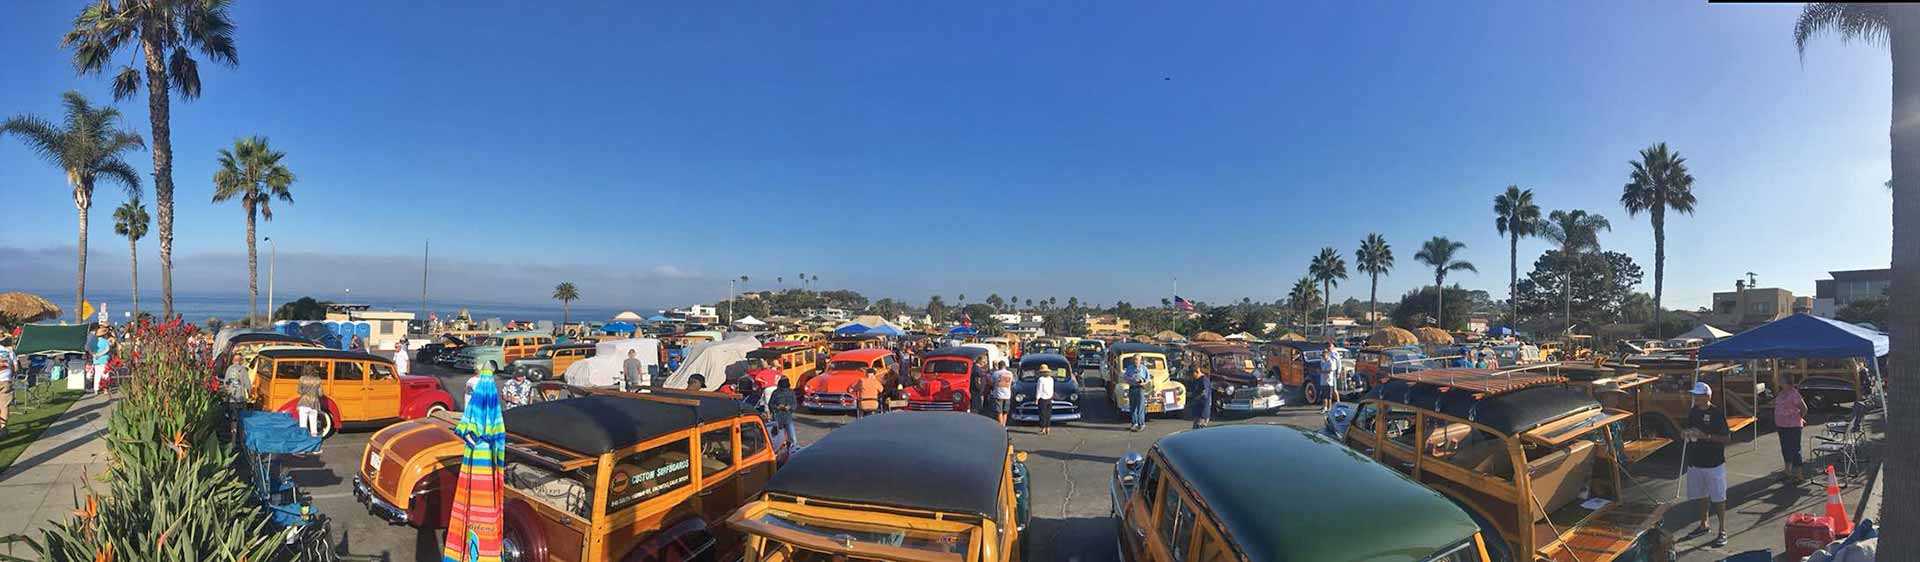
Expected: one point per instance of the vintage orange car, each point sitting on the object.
(591, 475)
(360, 389)
(242, 347)
(796, 360)
(833, 389)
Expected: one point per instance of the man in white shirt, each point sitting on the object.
(6, 382)
(400, 358)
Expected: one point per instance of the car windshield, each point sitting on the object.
(1151, 362)
(1034, 374)
(490, 341)
(1091, 346)
(846, 365)
(949, 366)
(846, 532)
(1233, 362)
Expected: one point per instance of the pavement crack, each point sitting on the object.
(1066, 473)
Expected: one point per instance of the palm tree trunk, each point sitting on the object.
(82, 200)
(1513, 280)
(253, 271)
(566, 310)
(157, 112)
(133, 255)
(1659, 261)
(1440, 299)
(1373, 299)
(1902, 463)
(1326, 309)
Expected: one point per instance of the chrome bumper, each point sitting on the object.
(932, 405)
(1030, 412)
(1247, 405)
(841, 402)
(378, 507)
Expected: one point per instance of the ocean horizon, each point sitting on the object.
(199, 308)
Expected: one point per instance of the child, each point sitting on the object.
(310, 404)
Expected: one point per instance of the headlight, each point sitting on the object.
(1019, 398)
(1074, 397)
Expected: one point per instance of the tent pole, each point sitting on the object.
(1680, 483)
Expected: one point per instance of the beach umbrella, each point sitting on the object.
(1392, 337)
(617, 328)
(855, 328)
(1291, 336)
(1432, 335)
(473, 528)
(1208, 336)
(886, 330)
(961, 331)
(27, 307)
(1169, 336)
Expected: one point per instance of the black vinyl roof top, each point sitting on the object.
(319, 353)
(948, 462)
(967, 352)
(1380, 514)
(1058, 362)
(1509, 413)
(1135, 347)
(599, 423)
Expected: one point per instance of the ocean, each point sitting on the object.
(198, 308)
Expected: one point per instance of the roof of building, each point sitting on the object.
(1230, 469)
(318, 353)
(897, 468)
(1507, 412)
(599, 423)
(1861, 274)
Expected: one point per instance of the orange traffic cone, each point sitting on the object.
(1836, 510)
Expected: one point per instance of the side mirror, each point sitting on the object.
(1132, 461)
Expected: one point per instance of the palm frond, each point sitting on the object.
(119, 171)
(41, 136)
(126, 83)
(1866, 23)
(183, 74)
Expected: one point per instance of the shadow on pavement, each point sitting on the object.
(1075, 539)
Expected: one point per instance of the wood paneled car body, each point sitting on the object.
(591, 476)
(1185, 501)
(358, 389)
(876, 490)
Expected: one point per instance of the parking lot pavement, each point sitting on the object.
(1072, 467)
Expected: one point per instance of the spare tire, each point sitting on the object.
(521, 539)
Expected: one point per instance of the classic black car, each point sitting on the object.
(440, 352)
(1238, 384)
(1066, 389)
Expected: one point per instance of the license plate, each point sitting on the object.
(373, 462)
(1167, 397)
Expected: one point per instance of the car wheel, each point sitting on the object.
(436, 408)
(326, 424)
(1311, 391)
(521, 540)
(696, 382)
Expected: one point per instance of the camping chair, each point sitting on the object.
(1843, 438)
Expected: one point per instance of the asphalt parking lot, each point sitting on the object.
(1072, 466)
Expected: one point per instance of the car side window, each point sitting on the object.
(348, 371)
(379, 371)
(716, 451)
(1468, 447)
(1364, 417)
(648, 474)
(1400, 429)
(753, 439)
(1211, 547)
(1150, 484)
(1176, 525)
(293, 370)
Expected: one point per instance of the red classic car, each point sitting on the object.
(946, 379)
(833, 389)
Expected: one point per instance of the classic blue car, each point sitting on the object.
(1066, 389)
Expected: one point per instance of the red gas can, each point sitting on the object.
(1807, 533)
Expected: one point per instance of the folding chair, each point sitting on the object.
(1843, 438)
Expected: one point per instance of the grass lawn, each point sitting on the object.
(26, 421)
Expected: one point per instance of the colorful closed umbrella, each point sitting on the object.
(473, 532)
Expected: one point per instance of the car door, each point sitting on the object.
(382, 393)
(1137, 523)
(719, 467)
(347, 387)
(754, 472)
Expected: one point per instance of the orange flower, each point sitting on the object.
(88, 510)
(179, 444)
(105, 554)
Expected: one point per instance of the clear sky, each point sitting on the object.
(648, 152)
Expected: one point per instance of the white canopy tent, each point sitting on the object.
(1705, 332)
(750, 321)
(628, 316)
(603, 369)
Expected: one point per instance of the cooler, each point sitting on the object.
(1807, 533)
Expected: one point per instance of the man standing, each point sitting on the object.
(978, 395)
(1137, 378)
(1707, 435)
(630, 370)
(1002, 392)
(1329, 377)
(1203, 403)
(400, 357)
(6, 381)
(782, 404)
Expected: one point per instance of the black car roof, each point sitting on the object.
(1509, 412)
(887, 460)
(1055, 360)
(968, 352)
(1135, 347)
(1301, 345)
(319, 353)
(600, 423)
(1380, 514)
(265, 336)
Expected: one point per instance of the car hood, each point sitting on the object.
(1061, 386)
(833, 381)
(1235, 377)
(933, 386)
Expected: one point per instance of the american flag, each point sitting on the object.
(966, 320)
(1182, 304)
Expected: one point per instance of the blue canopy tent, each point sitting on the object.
(961, 331)
(657, 318)
(1801, 336)
(617, 328)
(853, 329)
(886, 330)
(1500, 332)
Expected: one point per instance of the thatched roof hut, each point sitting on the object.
(1392, 337)
(1434, 336)
(1290, 336)
(1208, 336)
(1169, 336)
(26, 307)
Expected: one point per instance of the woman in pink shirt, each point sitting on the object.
(1789, 409)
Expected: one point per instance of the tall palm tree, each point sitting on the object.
(1897, 28)
(130, 220)
(1576, 233)
(165, 33)
(1374, 258)
(1304, 297)
(1328, 268)
(1516, 216)
(87, 147)
(566, 293)
(1438, 254)
(252, 172)
(1659, 182)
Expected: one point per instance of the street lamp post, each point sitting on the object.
(730, 317)
(272, 252)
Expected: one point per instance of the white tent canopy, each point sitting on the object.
(628, 316)
(750, 321)
(1705, 332)
(603, 369)
(716, 362)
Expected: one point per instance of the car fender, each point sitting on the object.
(519, 517)
(685, 540)
(333, 410)
(416, 404)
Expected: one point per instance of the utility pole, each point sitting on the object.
(424, 256)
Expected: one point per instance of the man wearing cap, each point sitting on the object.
(1707, 434)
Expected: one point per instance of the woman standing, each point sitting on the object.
(1043, 395)
(1789, 411)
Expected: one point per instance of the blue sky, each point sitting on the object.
(1098, 150)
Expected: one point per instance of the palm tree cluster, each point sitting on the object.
(87, 146)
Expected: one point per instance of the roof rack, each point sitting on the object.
(1484, 380)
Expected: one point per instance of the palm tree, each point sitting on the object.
(165, 32)
(1659, 182)
(130, 220)
(1328, 268)
(780, 280)
(1438, 254)
(252, 172)
(1893, 27)
(803, 281)
(1304, 296)
(566, 293)
(87, 147)
(1516, 216)
(1575, 232)
(1374, 258)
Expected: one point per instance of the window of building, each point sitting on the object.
(1762, 307)
(648, 474)
(1724, 307)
